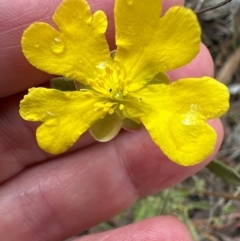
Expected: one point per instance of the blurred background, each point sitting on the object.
(208, 202)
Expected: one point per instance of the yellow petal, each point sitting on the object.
(148, 44)
(107, 128)
(75, 49)
(65, 116)
(175, 116)
(205, 95)
(185, 138)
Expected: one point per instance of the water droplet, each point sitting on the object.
(50, 119)
(129, 2)
(80, 60)
(36, 44)
(58, 46)
(89, 21)
(139, 99)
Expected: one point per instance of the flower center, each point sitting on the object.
(110, 80)
(111, 83)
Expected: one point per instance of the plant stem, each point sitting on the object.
(213, 7)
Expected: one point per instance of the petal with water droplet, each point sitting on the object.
(176, 115)
(59, 52)
(65, 116)
(58, 45)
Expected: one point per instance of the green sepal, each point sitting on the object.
(80, 86)
(107, 128)
(160, 78)
(63, 84)
(112, 54)
(226, 173)
(131, 125)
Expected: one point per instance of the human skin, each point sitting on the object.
(51, 198)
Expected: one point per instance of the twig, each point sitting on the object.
(213, 7)
(202, 231)
(229, 68)
(214, 194)
(222, 217)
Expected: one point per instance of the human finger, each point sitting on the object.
(153, 229)
(201, 65)
(82, 189)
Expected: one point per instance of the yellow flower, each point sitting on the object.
(126, 90)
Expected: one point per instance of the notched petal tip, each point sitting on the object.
(66, 115)
(75, 48)
(100, 21)
(156, 44)
(175, 116)
(205, 95)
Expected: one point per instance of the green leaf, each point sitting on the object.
(131, 125)
(63, 84)
(226, 173)
(185, 218)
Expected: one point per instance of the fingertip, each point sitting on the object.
(201, 65)
(153, 229)
(152, 171)
(170, 3)
(216, 124)
(218, 127)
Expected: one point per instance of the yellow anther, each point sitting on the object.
(111, 111)
(117, 89)
(92, 83)
(100, 83)
(109, 104)
(127, 81)
(119, 81)
(108, 70)
(100, 77)
(99, 104)
(121, 106)
(125, 92)
(98, 109)
(106, 109)
(88, 94)
(118, 71)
